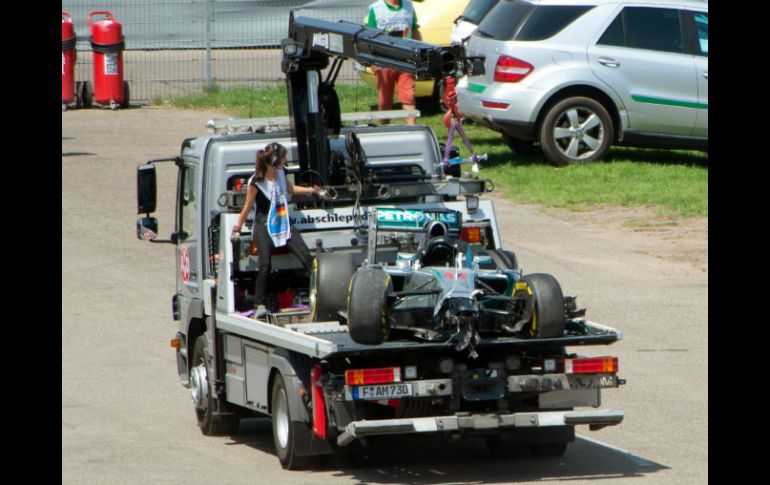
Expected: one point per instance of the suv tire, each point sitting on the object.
(576, 130)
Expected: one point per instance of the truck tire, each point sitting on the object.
(203, 400)
(329, 285)
(284, 435)
(367, 306)
(548, 315)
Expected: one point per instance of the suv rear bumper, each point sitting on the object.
(480, 422)
(515, 129)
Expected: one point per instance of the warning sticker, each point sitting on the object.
(111, 64)
(184, 264)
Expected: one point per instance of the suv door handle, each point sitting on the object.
(706, 74)
(608, 61)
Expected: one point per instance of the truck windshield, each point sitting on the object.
(477, 9)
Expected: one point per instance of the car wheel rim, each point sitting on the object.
(578, 133)
(200, 387)
(281, 418)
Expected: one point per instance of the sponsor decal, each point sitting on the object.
(184, 264)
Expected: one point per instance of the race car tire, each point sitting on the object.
(367, 306)
(548, 315)
(329, 285)
(504, 259)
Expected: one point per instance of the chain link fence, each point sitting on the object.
(179, 47)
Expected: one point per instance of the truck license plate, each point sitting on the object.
(592, 381)
(384, 391)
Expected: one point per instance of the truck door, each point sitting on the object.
(188, 247)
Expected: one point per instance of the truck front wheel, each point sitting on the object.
(210, 423)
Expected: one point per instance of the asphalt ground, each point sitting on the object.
(127, 420)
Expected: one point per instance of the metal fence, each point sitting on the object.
(178, 47)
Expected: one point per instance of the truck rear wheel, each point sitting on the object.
(367, 306)
(329, 285)
(284, 436)
(209, 422)
(548, 315)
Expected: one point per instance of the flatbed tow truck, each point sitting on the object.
(414, 320)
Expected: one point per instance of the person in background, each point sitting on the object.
(397, 18)
(267, 193)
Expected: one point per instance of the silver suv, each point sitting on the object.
(577, 76)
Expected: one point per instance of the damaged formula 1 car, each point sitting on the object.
(443, 286)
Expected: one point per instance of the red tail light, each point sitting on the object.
(373, 376)
(595, 365)
(511, 70)
(493, 104)
(471, 234)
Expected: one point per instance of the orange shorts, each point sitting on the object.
(387, 80)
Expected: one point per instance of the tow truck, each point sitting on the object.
(414, 320)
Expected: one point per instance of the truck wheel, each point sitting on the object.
(504, 259)
(548, 315)
(203, 400)
(367, 306)
(284, 437)
(329, 285)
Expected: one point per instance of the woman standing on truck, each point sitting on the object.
(267, 193)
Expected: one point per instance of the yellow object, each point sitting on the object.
(436, 20)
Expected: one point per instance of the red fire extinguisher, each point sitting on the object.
(70, 91)
(108, 43)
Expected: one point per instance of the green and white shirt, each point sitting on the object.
(384, 16)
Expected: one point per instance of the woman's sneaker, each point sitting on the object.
(260, 312)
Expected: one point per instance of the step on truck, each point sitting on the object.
(414, 319)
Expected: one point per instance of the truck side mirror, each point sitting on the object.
(147, 228)
(146, 188)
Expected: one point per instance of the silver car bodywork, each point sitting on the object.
(653, 97)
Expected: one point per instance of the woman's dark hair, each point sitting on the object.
(272, 153)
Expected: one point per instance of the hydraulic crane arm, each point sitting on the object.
(313, 104)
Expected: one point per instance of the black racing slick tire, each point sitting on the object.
(367, 306)
(210, 423)
(329, 282)
(284, 433)
(548, 314)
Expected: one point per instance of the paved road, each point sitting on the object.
(126, 419)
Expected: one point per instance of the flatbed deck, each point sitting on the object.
(330, 339)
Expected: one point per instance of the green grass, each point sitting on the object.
(672, 182)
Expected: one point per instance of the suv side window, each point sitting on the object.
(702, 29)
(614, 33)
(657, 29)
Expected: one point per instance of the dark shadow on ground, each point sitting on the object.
(433, 460)
(76, 154)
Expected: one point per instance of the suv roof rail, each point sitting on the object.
(238, 125)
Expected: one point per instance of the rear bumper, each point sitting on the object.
(487, 422)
